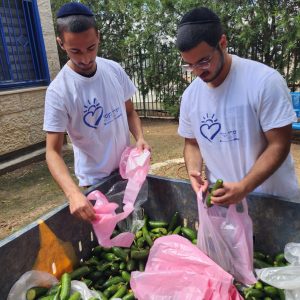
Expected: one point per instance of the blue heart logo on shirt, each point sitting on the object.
(210, 131)
(93, 114)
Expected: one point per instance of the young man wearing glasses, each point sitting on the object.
(235, 116)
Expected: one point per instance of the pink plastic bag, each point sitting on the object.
(226, 236)
(177, 270)
(134, 166)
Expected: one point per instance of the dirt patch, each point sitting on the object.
(29, 192)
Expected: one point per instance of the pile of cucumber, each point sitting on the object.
(261, 290)
(108, 270)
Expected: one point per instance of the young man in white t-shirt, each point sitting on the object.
(235, 116)
(90, 100)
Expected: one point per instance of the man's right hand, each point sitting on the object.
(197, 182)
(81, 207)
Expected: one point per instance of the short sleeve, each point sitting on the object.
(275, 106)
(55, 116)
(185, 127)
(126, 83)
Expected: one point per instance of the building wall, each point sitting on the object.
(22, 110)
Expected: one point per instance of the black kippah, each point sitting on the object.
(74, 8)
(201, 15)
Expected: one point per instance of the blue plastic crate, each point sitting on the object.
(296, 102)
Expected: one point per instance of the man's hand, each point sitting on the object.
(230, 193)
(141, 144)
(197, 182)
(81, 207)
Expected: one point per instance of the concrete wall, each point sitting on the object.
(22, 110)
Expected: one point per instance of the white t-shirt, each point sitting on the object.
(229, 122)
(92, 111)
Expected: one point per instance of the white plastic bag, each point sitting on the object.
(38, 278)
(28, 280)
(287, 278)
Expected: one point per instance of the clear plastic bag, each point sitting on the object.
(35, 278)
(226, 236)
(177, 270)
(288, 277)
(28, 280)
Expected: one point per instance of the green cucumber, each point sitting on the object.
(260, 264)
(113, 280)
(173, 222)
(80, 272)
(189, 233)
(177, 230)
(218, 184)
(129, 296)
(157, 224)
(125, 275)
(139, 254)
(35, 292)
(147, 236)
(75, 296)
(271, 291)
(122, 290)
(65, 286)
(119, 253)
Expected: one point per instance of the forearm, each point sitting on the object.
(192, 156)
(267, 163)
(135, 125)
(60, 173)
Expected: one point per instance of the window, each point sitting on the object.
(22, 53)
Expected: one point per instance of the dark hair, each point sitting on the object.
(75, 23)
(196, 26)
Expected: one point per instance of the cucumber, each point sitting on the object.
(122, 265)
(110, 256)
(260, 264)
(65, 286)
(138, 234)
(147, 236)
(75, 296)
(177, 230)
(80, 272)
(35, 292)
(141, 265)
(54, 289)
(218, 184)
(87, 281)
(281, 294)
(174, 221)
(251, 292)
(271, 291)
(139, 254)
(113, 280)
(97, 251)
(189, 233)
(129, 296)
(157, 224)
(95, 275)
(259, 285)
(122, 290)
(160, 230)
(119, 253)
(125, 275)
(131, 265)
(110, 290)
(48, 297)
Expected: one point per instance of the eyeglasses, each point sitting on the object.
(202, 64)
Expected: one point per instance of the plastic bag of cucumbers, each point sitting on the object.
(285, 277)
